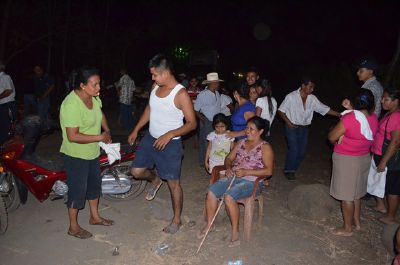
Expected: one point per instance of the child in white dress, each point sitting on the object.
(219, 145)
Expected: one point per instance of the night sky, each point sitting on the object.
(111, 34)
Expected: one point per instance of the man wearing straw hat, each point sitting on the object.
(207, 105)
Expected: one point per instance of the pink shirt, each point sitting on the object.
(393, 125)
(353, 142)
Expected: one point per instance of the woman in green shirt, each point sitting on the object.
(81, 121)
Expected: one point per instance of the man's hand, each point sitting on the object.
(291, 125)
(162, 141)
(132, 137)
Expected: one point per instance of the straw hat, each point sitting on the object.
(211, 78)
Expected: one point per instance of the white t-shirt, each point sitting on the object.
(5, 84)
(264, 105)
(294, 109)
(225, 101)
(220, 147)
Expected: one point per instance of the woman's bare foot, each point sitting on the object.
(381, 210)
(357, 227)
(387, 220)
(200, 234)
(341, 232)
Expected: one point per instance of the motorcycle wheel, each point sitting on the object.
(3, 216)
(136, 189)
(12, 199)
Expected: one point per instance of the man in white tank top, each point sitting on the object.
(161, 147)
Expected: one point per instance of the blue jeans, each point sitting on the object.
(297, 143)
(30, 104)
(168, 161)
(43, 109)
(125, 112)
(241, 188)
(205, 127)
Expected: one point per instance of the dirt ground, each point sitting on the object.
(37, 231)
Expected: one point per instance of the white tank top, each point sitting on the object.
(164, 115)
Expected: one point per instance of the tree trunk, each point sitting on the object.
(395, 61)
(3, 29)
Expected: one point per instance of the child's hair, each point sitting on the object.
(220, 117)
(260, 123)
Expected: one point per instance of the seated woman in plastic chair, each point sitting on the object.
(249, 159)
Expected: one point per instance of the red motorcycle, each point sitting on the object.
(23, 170)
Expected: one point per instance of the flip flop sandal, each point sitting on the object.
(105, 222)
(152, 191)
(171, 228)
(81, 234)
(234, 243)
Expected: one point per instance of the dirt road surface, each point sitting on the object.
(37, 233)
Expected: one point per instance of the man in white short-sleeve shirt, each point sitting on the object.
(207, 105)
(7, 103)
(297, 110)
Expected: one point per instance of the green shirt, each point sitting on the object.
(73, 114)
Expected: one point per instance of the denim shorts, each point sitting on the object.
(168, 161)
(83, 180)
(241, 188)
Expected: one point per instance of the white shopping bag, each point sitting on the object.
(376, 181)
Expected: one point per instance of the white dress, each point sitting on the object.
(220, 148)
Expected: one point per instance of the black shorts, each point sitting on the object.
(83, 180)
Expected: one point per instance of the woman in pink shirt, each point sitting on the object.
(387, 154)
(352, 137)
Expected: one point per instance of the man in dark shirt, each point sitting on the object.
(44, 84)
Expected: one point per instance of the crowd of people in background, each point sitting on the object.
(234, 126)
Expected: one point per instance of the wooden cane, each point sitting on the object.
(215, 215)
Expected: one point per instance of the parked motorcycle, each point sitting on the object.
(24, 170)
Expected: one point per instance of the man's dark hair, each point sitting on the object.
(364, 101)
(162, 62)
(252, 69)
(305, 80)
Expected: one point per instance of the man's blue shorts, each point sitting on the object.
(241, 188)
(168, 162)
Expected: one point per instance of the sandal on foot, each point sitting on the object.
(172, 228)
(234, 243)
(81, 234)
(152, 191)
(103, 221)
